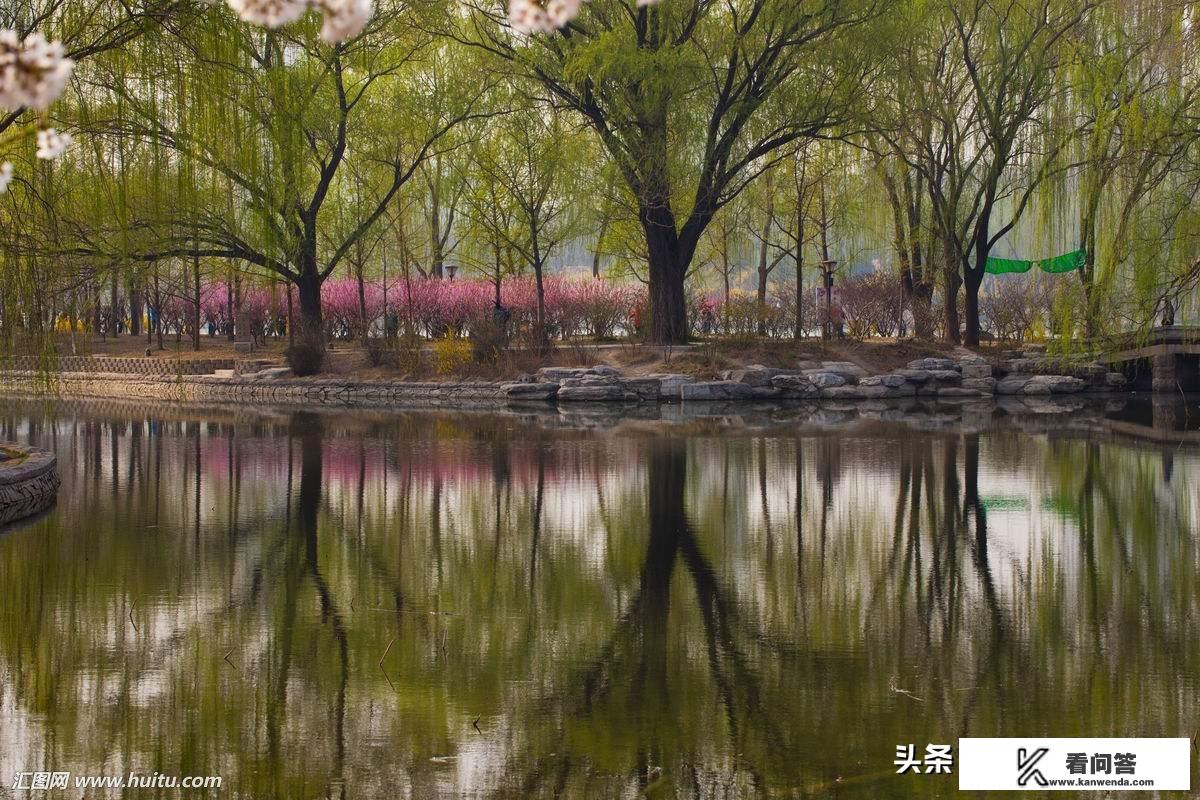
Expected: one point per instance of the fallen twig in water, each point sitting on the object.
(897, 690)
(387, 650)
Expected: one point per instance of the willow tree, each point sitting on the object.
(691, 100)
(84, 27)
(527, 158)
(976, 81)
(311, 143)
(1133, 136)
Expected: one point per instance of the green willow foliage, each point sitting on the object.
(962, 129)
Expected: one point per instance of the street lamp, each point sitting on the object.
(827, 269)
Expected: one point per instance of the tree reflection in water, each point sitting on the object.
(423, 605)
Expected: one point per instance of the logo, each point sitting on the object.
(1107, 765)
(1027, 766)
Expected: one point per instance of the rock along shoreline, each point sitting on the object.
(28, 481)
(966, 377)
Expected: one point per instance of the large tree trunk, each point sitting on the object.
(307, 354)
(308, 286)
(952, 280)
(668, 253)
(974, 279)
(668, 305)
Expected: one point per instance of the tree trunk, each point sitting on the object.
(952, 275)
(308, 286)
(196, 303)
(135, 307)
(543, 341)
(229, 304)
(597, 251)
(974, 279)
(668, 305)
(799, 266)
(363, 323)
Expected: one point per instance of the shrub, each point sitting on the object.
(489, 339)
(871, 305)
(1013, 307)
(451, 354)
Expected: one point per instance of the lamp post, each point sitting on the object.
(827, 268)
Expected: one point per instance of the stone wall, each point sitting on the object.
(28, 483)
(247, 390)
(125, 365)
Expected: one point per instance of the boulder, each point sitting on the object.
(648, 388)
(976, 370)
(1013, 384)
(1040, 384)
(670, 384)
(944, 376)
(903, 390)
(715, 390)
(893, 381)
(933, 364)
(825, 380)
(589, 380)
(793, 386)
(914, 375)
(855, 392)
(958, 391)
(530, 391)
(1057, 384)
(596, 393)
(753, 375)
(1116, 380)
(547, 374)
(851, 372)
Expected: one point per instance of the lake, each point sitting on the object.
(593, 605)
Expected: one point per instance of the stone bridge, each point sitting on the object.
(1163, 360)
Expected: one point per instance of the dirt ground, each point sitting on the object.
(703, 359)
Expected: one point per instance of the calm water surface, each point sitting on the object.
(439, 605)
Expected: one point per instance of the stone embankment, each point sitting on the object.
(260, 383)
(970, 376)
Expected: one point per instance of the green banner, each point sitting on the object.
(1067, 262)
(1002, 266)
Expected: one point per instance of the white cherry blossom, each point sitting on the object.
(33, 72)
(269, 13)
(51, 144)
(343, 19)
(545, 16)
